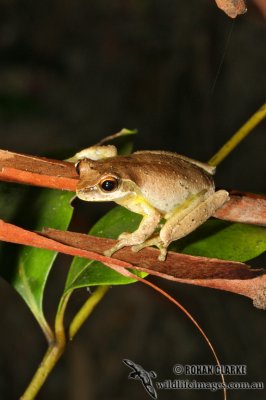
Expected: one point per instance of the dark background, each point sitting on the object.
(72, 72)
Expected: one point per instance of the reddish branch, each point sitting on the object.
(210, 272)
(39, 171)
(225, 275)
(246, 208)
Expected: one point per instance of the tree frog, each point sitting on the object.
(159, 185)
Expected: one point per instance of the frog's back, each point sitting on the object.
(167, 180)
(171, 155)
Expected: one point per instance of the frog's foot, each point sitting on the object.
(125, 239)
(119, 245)
(112, 250)
(155, 241)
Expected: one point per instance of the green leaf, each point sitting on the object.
(214, 239)
(27, 268)
(11, 196)
(121, 140)
(224, 240)
(90, 273)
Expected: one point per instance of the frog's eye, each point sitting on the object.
(109, 184)
(77, 166)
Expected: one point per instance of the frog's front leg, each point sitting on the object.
(148, 224)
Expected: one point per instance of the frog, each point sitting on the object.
(173, 193)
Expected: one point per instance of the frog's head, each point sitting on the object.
(99, 182)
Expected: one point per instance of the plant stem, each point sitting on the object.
(50, 359)
(86, 310)
(53, 354)
(228, 147)
(48, 333)
(57, 347)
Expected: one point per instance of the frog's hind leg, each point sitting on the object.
(178, 213)
(184, 221)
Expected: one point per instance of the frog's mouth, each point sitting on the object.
(86, 192)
